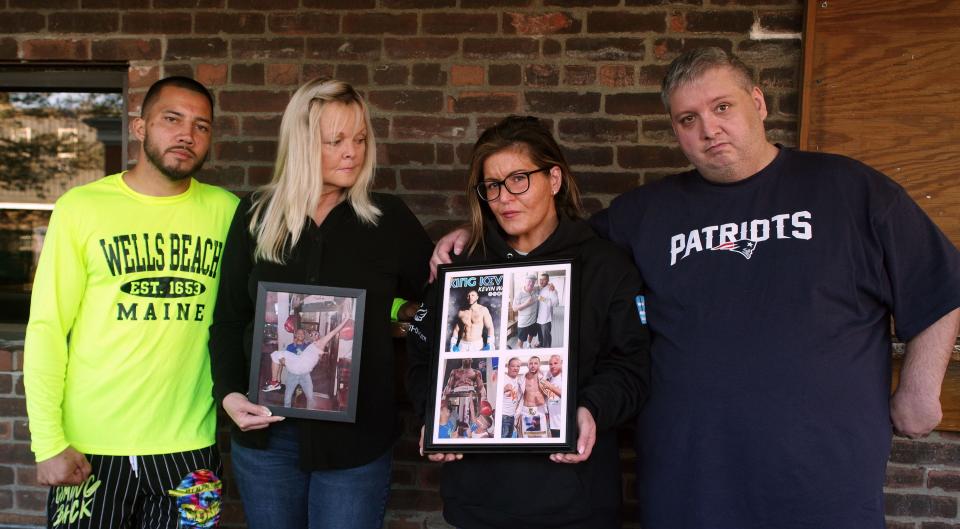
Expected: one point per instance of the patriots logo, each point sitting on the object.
(743, 247)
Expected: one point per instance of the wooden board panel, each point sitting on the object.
(882, 84)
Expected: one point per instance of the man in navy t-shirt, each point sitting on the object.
(772, 276)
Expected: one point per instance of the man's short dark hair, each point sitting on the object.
(177, 81)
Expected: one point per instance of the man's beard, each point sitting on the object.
(155, 157)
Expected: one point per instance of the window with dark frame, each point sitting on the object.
(60, 127)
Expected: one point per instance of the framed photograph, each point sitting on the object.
(502, 378)
(305, 360)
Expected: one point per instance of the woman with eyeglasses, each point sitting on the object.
(525, 205)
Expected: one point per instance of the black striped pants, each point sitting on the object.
(165, 491)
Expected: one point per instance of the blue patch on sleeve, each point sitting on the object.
(642, 308)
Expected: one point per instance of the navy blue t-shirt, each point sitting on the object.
(769, 301)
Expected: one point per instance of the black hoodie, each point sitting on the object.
(530, 491)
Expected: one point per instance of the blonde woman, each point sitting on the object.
(317, 222)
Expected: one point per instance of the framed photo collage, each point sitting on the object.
(501, 378)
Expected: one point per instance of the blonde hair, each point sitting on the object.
(280, 207)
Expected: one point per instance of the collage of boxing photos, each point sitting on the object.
(501, 381)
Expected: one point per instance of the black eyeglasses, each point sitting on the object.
(515, 184)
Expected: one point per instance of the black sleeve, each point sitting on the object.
(922, 266)
(414, 251)
(420, 339)
(234, 310)
(621, 376)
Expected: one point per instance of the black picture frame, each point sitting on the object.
(323, 361)
(473, 403)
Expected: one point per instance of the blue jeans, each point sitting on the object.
(543, 336)
(305, 382)
(506, 426)
(277, 494)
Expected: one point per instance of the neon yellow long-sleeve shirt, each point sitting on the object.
(115, 359)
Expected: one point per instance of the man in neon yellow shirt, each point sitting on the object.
(116, 368)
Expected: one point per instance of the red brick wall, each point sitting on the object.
(436, 72)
